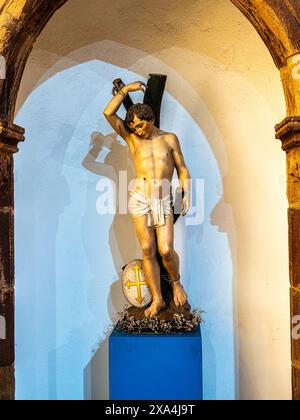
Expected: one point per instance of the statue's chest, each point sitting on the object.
(153, 151)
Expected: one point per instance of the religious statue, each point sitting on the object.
(156, 154)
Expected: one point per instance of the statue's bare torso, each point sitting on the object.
(153, 161)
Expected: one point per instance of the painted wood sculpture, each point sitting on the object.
(135, 287)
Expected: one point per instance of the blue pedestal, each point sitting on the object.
(155, 367)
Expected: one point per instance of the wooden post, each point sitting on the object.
(8, 145)
(289, 133)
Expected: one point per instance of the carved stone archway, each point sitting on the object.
(21, 22)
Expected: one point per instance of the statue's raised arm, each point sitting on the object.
(112, 108)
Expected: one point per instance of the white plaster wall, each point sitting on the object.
(223, 75)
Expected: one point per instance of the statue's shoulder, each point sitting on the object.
(167, 135)
(172, 139)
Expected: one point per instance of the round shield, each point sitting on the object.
(135, 287)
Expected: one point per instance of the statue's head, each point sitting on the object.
(140, 120)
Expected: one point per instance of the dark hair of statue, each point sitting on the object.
(142, 111)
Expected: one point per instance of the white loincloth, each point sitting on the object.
(156, 208)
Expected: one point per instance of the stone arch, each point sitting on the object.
(276, 22)
(21, 23)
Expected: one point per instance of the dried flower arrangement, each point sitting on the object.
(177, 324)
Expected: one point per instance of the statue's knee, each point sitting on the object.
(149, 251)
(166, 252)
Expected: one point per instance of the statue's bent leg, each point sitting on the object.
(165, 241)
(170, 258)
(146, 237)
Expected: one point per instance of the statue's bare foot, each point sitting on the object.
(157, 306)
(179, 296)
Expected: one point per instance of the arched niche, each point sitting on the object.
(21, 24)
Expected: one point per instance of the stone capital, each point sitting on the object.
(288, 131)
(10, 137)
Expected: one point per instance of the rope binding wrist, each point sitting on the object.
(120, 92)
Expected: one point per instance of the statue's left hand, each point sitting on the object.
(185, 205)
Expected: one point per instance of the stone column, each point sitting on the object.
(289, 133)
(9, 138)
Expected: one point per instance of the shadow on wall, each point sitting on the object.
(121, 242)
(95, 390)
(117, 164)
(69, 258)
